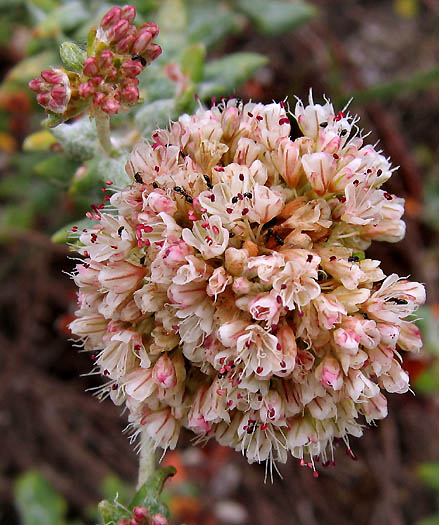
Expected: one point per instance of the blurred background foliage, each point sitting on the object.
(384, 54)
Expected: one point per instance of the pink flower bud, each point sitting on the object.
(96, 80)
(153, 52)
(159, 519)
(329, 373)
(159, 202)
(110, 106)
(133, 521)
(164, 373)
(128, 12)
(123, 522)
(86, 89)
(118, 30)
(120, 277)
(38, 85)
(151, 27)
(124, 45)
(110, 18)
(52, 76)
(98, 99)
(140, 513)
(105, 59)
(131, 68)
(142, 41)
(90, 67)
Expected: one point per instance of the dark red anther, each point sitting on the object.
(264, 426)
(241, 177)
(282, 104)
(339, 116)
(356, 182)
(283, 286)
(157, 168)
(259, 117)
(283, 364)
(279, 299)
(218, 168)
(335, 156)
(342, 198)
(309, 258)
(245, 211)
(387, 196)
(250, 114)
(74, 228)
(284, 120)
(106, 372)
(332, 258)
(259, 370)
(229, 210)
(114, 387)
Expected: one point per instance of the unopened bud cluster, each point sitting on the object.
(108, 80)
(141, 517)
(227, 290)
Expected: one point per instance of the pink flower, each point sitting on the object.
(329, 373)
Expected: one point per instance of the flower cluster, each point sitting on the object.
(227, 290)
(118, 54)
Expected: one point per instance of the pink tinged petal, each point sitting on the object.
(153, 52)
(139, 384)
(121, 276)
(60, 95)
(329, 373)
(159, 519)
(112, 17)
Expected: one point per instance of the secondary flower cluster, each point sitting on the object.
(227, 290)
(118, 54)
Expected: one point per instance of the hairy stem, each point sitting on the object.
(147, 459)
(103, 129)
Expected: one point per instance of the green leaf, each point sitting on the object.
(429, 473)
(275, 16)
(209, 22)
(72, 55)
(192, 62)
(428, 381)
(155, 115)
(37, 502)
(223, 75)
(389, 90)
(112, 513)
(63, 19)
(31, 67)
(56, 168)
(78, 139)
(431, 520)
(64, 234)
(428, 323)
(172, 20)
(149, 494)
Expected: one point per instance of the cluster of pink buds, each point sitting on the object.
(53, 89)
(141, 517)
(108, 80)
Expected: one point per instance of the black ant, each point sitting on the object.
(140, 59)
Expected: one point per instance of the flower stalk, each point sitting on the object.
(147, 459)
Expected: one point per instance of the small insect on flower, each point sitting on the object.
(140, 59)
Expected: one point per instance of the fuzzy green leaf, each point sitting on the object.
(72, 55)
(155, 115)
(37, 501)
(210, 22)
(78, 139)
(192, 62)
(223, 76)
(276, 16)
